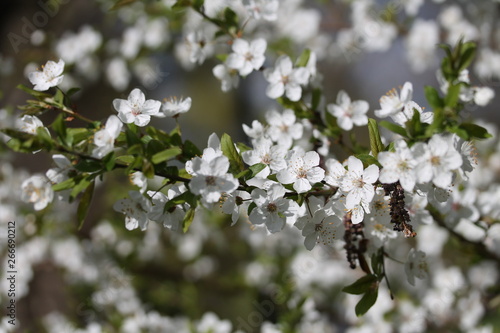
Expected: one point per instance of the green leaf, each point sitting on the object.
(316, 98)
(166, 155)
(394, 128)
(64, 185)
(368, 160)
(467, 55)
(148, 169)
(366, 302)
(79, 187)
(414, 126)
(59, 98)
(376, 145)
(153, 147)
(303, 59)
(109, 161)
(77, 135)
(228, 149)
(475, 131)
(34, 93)
(127, 159)
(132, 138)
(432, 96)
(243, 147)
(83, 206)
(255, 169)
(188, 219)
(88, 165)
(59, 127)
(72, 91)
(190, 150)
(378, 263)
(362, 285)
(44, 136)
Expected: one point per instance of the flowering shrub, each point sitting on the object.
(409, 221)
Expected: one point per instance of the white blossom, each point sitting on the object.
(246, 56)
(50, 76)
(415, 266)
(136, 109)
(173, 107)
(285, 80)
(398, 166)
(210, 176)
(302, 170)
(104, 139)
(271, 208)
(358, 182)
(38, 190)
(347, 112)
(136, 208)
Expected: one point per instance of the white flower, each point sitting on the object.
(139, 179)
(415, 266)
(398, 166)
(483, 95)
(38, 190)
(408, 111)
(283, 128)
(320, 224)
(136, 208)
(347, 112)
(236, 203)
(436, 161)
(263, 9)
(172, 107)
(199, 45)
(229, 77)
(335, 172)
(172, 218)
(211, 179)
(392, 102)
(272, 208)
(136, 109)
(273, 156)
(358, 183)
(50, 76)
(60, 173)
(29, 124)
(302, 170)
(104, 139)
(246, 56)
(284, 79)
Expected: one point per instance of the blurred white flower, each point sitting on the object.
(173, 106)
(246, 56)
(285, 80)
(347, 112)
(38, 190)
(415, 266)
(104, 139)
(136, 208)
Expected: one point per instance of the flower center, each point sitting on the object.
(210, 180)
(358, 182)
(435, 160)
(266, 159)
(301, 173)
(271, 207)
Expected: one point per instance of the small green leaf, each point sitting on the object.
(432, 96)
(44, 136)
(367, 301)
(303, 59)
(468, 53)
(132, 138)
(475, 131)
(166, 155)
(228, 149)
(64, 185)
(127, 159)
(243, 147)
(368, 160)
(316, 98)
(109, 161)
(83, 206)
(34, 93)
(88, 165)
(361, 285)
(375, 140)
(79, 187)
(394, 128)
(255, 169)
(188, 219)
